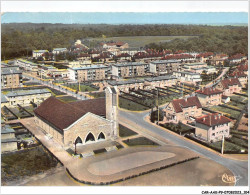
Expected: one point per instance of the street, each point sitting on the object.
(239, 168)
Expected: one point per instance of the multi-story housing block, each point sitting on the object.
(209, 96)
(11, 77)
(164, 66)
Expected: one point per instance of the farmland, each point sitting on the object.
(141, 41)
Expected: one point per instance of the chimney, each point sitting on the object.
(219, 115)
(111, 108)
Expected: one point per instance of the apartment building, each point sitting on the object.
(164, 66)
(160, 81)
(130, 69)
(38, 53)
(212, 127)
(11, 77)
(209, 96)
(89, 73)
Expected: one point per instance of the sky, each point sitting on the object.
(124, 6)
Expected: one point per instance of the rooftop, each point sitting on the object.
(26, 92)
(209, 91)
(10, 70)
(7, 129)
(165, 61)
(90, 67)
(160, 78)
(230, 82)
(130, 64)
(213, 119)
(184, 103)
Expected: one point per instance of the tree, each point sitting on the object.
(154, 115)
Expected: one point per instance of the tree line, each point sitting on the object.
(20, 39)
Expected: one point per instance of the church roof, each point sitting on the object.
(61, 115)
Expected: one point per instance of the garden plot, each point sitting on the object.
(226, 111)
(83, 87)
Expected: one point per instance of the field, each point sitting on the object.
(82, 87)
(231, 112)
(141, 41)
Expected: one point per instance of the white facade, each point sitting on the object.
(188, 76)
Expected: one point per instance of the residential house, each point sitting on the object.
(243, 78)
(212, 127)
(209, 96)
(237, 58)
(229, 86)
(59, 50)
(183, 110)
(38, 53)
(243, 67)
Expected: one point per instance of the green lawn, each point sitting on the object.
(129, 105)
(141, 41)
(25, 163)
(125, 132)
(228, 147)
(237, 98)
(235, 104)
(82, 87)
(67, 99)
(140, 141)
(97, 94)
(231, 112)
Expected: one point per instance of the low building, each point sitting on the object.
(89, 73)
(115, 45)
(190, 66)
(38, 53)
(164, 66)
(27, 66)
(243, 67)
(125, 86)
(11, 77)
(25, 97)
(59, 50)
(188, 77)
(225, 99)
(130, 69)
(207, 70)
(237, 58)
(184, 110)
(209, 96)
(8, 139)
(212, 127)
(81, 122)
(229, 86)
(160, 81)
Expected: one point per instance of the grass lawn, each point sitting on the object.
(236, 105)
(67, 99)
(125, 132)
(82, 87)
(25, 163)
(177, 127)
(231, 112)
(141, 41)
(237, 98)
(97, 94)
(140, 141)
(228, 147)
(129, 105)
(239, 142)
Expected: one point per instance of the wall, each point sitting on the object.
(9, 146)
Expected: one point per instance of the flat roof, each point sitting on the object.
(89, 67)
(7, 129)
(130, 64)
(3, 98)
(165, 61)
(130, 81)
(26, 92)
(9, 140)
(160, 78)
(195, 64)
(185, 72)
(10, 70)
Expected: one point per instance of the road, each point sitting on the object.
(225, 70)
(79, 96)
(237, 167)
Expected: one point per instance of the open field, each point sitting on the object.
(141, 41)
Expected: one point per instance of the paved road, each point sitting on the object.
(239, 168)
(49, 84)
(225, 70)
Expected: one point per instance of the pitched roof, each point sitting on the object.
(209, 91)
(230, 82)
(184, 103)
(213, 119)
(61, 114)
(243, 67)
(238, 74)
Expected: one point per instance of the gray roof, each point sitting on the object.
(10, 70)
(3, 98)
(160, 78)
(185, 72)
(194, 64)
(90, 67)
(9, 140)
(126, 82)
(7, 129)
(27, 92)
(130, 64)
(165, 61)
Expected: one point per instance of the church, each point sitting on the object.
(86, 121)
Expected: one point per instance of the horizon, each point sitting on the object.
(133, 18)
